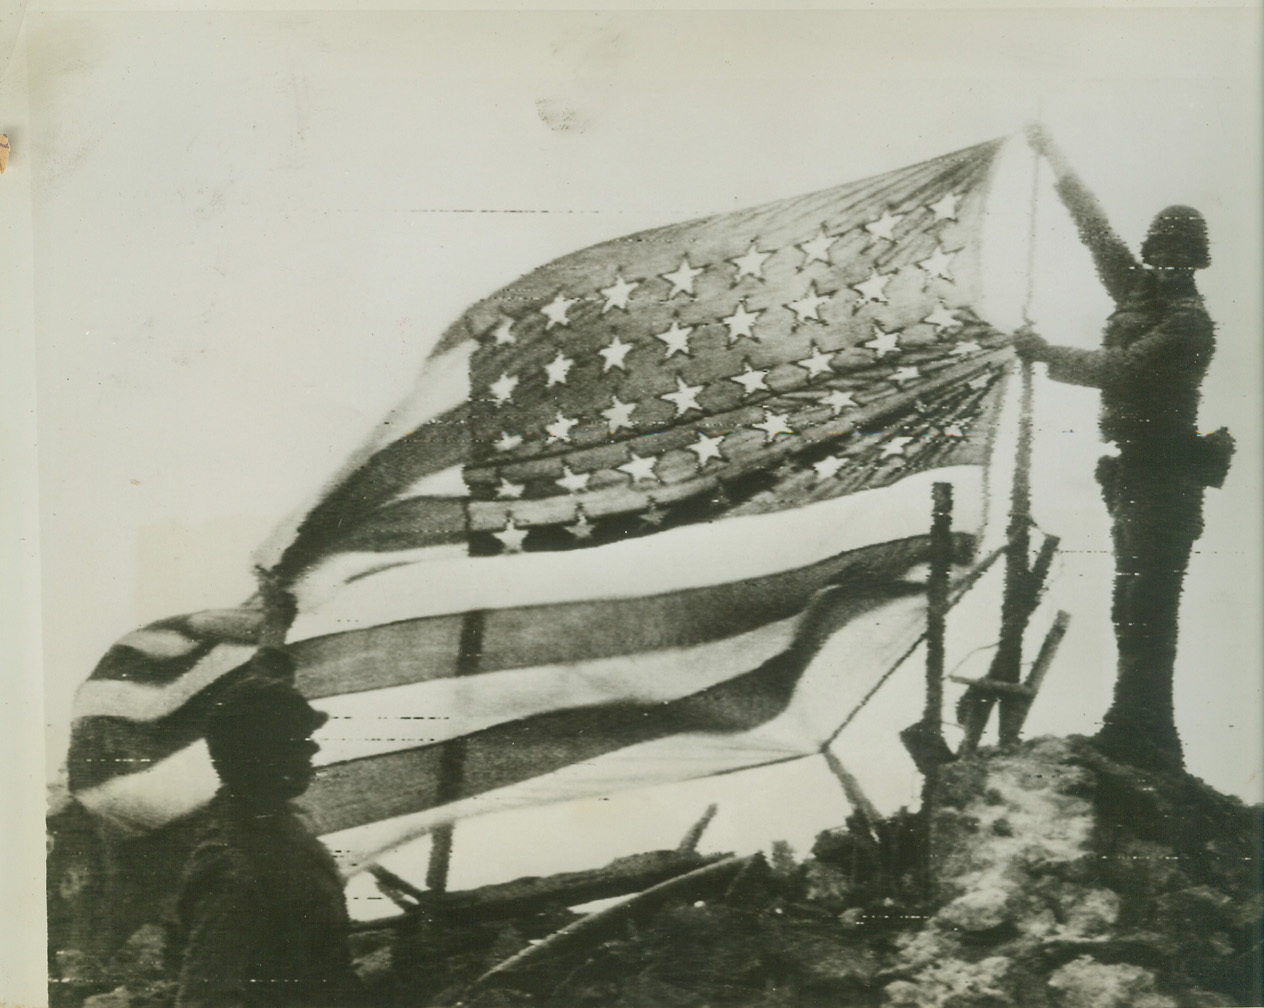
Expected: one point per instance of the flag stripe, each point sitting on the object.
(738, 548)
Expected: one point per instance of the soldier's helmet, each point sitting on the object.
(1177, 238)
(259, 713)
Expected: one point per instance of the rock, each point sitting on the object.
(953, 983)
(1088, 913)
(117, 998)
(143, 956)
(978, 910)
(1086, 983)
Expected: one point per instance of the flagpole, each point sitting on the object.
(1022, 584)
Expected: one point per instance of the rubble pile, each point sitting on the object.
(1046, 876)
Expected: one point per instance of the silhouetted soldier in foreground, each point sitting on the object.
(1155, 351)
(261, 904)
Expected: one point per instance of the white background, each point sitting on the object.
(229, 239)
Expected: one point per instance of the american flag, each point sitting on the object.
(632, 497)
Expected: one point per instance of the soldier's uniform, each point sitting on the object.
(1155, 351)
(264, 915)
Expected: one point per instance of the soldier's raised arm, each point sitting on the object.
(1114, 260)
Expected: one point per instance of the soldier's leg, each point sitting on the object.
(1155, 525)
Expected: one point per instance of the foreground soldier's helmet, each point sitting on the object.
(1177, 238)
(257, 712)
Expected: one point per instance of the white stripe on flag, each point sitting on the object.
(142, 702)
(158, 643)
(146, 800)
(692, 556)
(448, 482)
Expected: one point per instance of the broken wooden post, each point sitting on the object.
(925, 740)
(689, 842)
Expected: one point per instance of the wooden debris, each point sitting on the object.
(592, 928)
(398, 890)
(533, 894)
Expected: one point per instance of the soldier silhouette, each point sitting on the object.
(1155, 350)
(261, 904)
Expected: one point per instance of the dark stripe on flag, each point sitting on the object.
(419, 650)
(436, 445)
(406, 524)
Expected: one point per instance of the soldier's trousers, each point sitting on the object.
(1156, 512)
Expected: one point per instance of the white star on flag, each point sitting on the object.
(511, 536)
(614, 352)
(938, 264)
(639, 467)
(508, 490)
(502, 388)
(884, 226)
(883, 343)
(741, 322)
(895, 446)
(503, 333)
(557, 369)
(617, 293)
(619, 414)
(706, 448)
(684, 398)
(560, 429)
(808, 306)
(681, 279)
(556, 310)
(827, 467)
(945, 208)
(906, 374)
(772, 425)
(751, 263)
(874, 288)
(964, 348)
(676, 339)
(941, 318)
(751, 380)
(583, 528)
(818, 363)
(571, 481)
(816, 249)
(837, 400)
(507, 441)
